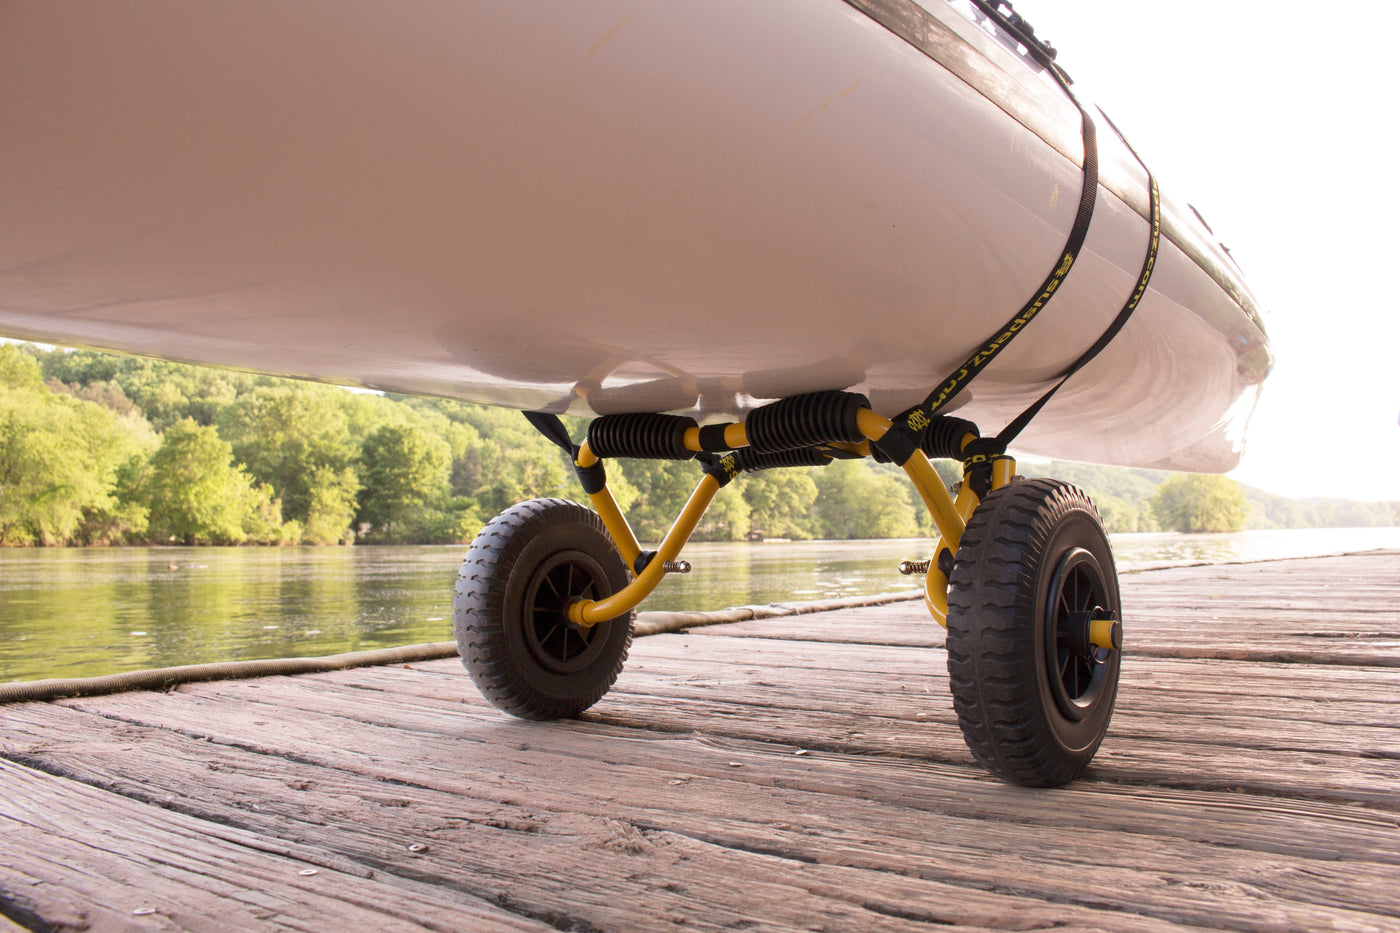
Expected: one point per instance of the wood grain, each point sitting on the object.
(764, 775)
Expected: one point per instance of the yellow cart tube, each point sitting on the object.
(935, 583)
(950, 516)
(589, 612)
(609, 511)
(925, 478)
(735, 436)
(936, 498)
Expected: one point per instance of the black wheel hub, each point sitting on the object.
(557, 644)
(1077, 668)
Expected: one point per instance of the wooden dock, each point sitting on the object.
(799, 773)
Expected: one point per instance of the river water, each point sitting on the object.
(83, 612)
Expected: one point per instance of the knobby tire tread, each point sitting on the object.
(482, 593)
(991, 631)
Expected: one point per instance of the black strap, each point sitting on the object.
(593, 478)
(912, 422)
(553, 429)
(909, 424)
(1009, 432)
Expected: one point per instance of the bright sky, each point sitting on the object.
(1277, 122)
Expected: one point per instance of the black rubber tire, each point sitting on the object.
(1033, 703)
(508, 616)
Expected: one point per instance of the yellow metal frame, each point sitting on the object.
(610, 512)
(950, 516)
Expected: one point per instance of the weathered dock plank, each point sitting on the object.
(131, 860)
(1330, 610)
(760, 775)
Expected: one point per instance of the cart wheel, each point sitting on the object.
(1032, 692)
(510, 613)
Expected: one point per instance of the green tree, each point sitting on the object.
(727, 518)
(107, 394)
(1200, 502)
(59, 459)
(166, 392)
(949, 471)
(330, 512)
(1147, 517)
(19, 370)
(197, 496)
(1123, 515)
(662, 489)
(128, 520)
(854, 501)
(1129, 485)
(781, 502)
(405, 470)
(1270, 511)
(498, 459)
(287, 436)
(449, 521)
(261, 518)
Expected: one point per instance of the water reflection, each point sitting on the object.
(1153, 550)
(70, 613)
(1139, 552)
(76, 613)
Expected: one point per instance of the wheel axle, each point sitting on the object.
(1105, 630)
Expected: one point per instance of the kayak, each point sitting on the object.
(752, 235)
(602, 207)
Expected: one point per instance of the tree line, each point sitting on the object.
(103, 449)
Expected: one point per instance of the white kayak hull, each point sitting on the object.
(599, 206)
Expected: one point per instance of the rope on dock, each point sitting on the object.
(166, 678)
